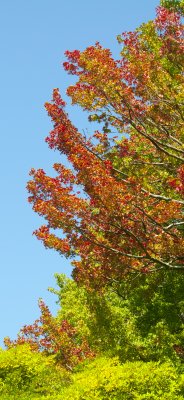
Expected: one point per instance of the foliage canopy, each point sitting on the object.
(120, 205)
(117, 211)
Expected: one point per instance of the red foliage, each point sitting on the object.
(120, 204)
(52, 337)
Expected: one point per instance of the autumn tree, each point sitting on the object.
(120, 206)
(53, 338)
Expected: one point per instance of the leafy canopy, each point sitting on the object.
(118, 212)
(119, 207)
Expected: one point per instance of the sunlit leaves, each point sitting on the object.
(53, 337)
(119, 205)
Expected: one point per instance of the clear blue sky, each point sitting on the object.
(34, 35)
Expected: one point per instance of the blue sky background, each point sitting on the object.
(34, 35)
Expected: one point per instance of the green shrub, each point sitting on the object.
(25, 374)
(109, 380)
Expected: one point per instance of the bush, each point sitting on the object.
(107, 379)
(25, 374)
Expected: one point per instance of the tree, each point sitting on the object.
(118, 212)
(176, 5)
(139, 320)
(120, 205)
(52, 337)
